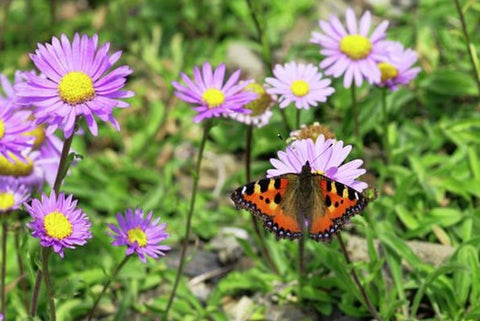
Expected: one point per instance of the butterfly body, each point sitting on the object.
(293, 204)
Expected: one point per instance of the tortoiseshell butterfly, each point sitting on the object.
(288, 204)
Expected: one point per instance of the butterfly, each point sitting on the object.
(290, 204)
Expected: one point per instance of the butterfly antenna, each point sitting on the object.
(290, 148)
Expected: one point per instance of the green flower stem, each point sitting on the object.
(355, 116)
(4, 258)
(107, 284)
(266, 52)
(46, 276)
(36, 290)
(261, 238)
(21, 270)
(285, 120)
(297, 120)
(355, 278)
(386, 144)
(470, 46)
(196, 176)
(62, 167)
(62, 170)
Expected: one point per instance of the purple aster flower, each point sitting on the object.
(140, 235)
(58, 223)
(299, 83)
(396, 68)
(12, 194)
(260, 107)
(13, 126)
(76, 82)
(209, 94)
(325, 157)
(352, 51)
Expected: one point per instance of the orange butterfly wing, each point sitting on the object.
(265, 199)
(340, 203)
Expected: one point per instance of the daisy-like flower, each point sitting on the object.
(58, 223)
(260, 107)
(13, 126)
(397, 69)
(76, 82)
(211, 97)
(352, 51)
(12, 194)
(325, 157)
(299, 83)
(140, 235)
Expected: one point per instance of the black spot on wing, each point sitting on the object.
(351, 194)
(328, 201)
(267, 200)
(329, 186)
(263, 185)
(250, 189)
(339, 187)
(277, 198)
(278, 183)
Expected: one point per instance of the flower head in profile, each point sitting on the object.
(210, 95)
(352, 52)
(260, 107)
(311, 132)
(300, 84)
(396, 69)
(12, 194)
(58, 222)
(140, 234)
(76, 81)
(325, 157)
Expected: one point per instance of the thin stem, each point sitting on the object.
(53, 12)
(62, 169)
(106, 285)
(196, 176)
(266, 52)
(285, 120)
(297, 120)
(386, 143)
(470, 48)
(36, 290)
(4, 259)
(21, 270)
(48, 284)
(261, 238)
(355, 114)
(62, 166)
(364, 295)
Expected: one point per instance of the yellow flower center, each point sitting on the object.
(2, 129)
(6, 201)
(137, 235)
(355, 46)
(318, 172)
(300, 88)
(16, 168)
(75, 88)
(388, 71)
(213, 97)
(39, 134)
(57, 225)
(259, 105)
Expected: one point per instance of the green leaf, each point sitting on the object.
(450, 83)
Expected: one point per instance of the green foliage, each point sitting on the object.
(429, 190)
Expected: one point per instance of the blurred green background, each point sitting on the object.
(416, 248)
